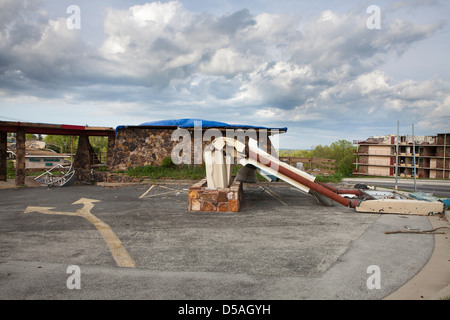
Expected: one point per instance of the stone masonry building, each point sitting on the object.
(151, 142)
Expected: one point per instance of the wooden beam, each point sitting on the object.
(55, 129)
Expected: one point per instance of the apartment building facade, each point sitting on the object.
(428, 155)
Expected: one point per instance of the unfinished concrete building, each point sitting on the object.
(377, 156)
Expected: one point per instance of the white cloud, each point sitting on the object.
(226, 61)
(410, 90)
(298, 114)
(372, 82)
(160, 58)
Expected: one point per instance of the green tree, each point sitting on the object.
(100, 146)
(341, 151)
(30, 136)
(62, 144)
(294, 153)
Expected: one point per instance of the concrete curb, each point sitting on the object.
(433, 281)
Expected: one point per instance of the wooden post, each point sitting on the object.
(20, 157)
(3, 155)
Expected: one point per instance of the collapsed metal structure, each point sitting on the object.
(59, 175)
(218, 160)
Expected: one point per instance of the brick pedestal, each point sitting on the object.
(218, 200)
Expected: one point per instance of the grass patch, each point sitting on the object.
(333, 178)
(177, 173)
(102, 169)
(186, 172)
(10, 170)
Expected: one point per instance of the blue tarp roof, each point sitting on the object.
(190, 123)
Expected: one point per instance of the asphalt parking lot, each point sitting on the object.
(140, 242)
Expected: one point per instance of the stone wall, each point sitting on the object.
(85, 156)
(91, 176)
(140, 147)
(136, 147)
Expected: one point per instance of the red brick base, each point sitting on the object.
(218, 200)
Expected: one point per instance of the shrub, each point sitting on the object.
(168, 163)
(178, 173)
(334, 178)
(10, 170)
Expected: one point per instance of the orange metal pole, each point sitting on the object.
(310, 184)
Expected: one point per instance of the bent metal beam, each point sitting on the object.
(310, 184)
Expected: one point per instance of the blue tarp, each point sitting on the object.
(423, 196)
(446, 202)
(190, 123)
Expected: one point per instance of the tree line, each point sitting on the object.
(342, 151)
(67, 144)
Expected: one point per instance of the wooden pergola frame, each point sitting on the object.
(22, 128)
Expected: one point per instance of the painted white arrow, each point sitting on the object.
(118, 251)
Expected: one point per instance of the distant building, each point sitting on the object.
(376, 156)
(44, 159)
(41, 159)
(35, 144)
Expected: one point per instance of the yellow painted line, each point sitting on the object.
(276, 194)
(143, 195)
(273, 194)
(167, 188)
(119, 253)
(159, 194)
(179, 190)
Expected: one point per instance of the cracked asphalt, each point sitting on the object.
(282, 245)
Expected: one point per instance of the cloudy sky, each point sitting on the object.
(315, 67)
